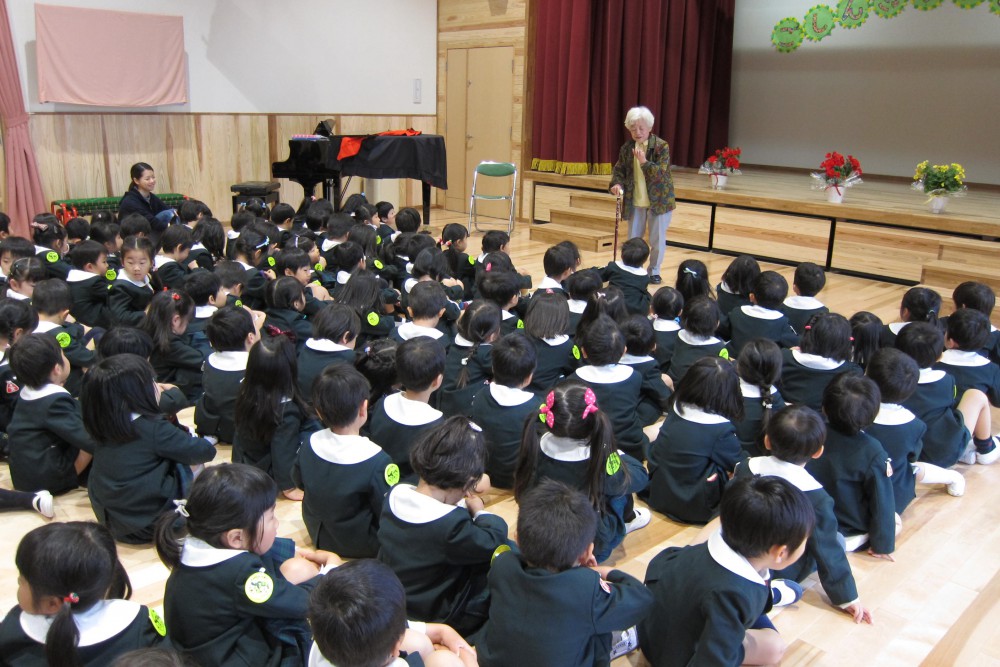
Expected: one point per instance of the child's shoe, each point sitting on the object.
(991, 454)
(785, 592)
(968, 457)
(625, 641)
(641, 520)
(43, 504)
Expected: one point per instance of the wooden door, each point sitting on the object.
(479, 122)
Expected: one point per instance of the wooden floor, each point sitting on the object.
(938, 604)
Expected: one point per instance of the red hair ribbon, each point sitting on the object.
(72, 598)
(545, 412)
(489, 265)
(274, 332)
(175, 296)
(591, 400)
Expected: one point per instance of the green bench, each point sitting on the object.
(64, 209)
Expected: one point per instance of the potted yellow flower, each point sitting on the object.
(939, 181)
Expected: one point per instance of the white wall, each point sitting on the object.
(280, 56)
(924, 85)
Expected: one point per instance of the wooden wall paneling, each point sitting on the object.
(456, 82)
(69, 149)
(214, 159)
(462, 15)
(898, 253)
(135, 138)
(785, 237)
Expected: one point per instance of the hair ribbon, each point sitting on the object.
(72, 598)
(180, 507)
(690, 272)
(545, 411)
(591, 400)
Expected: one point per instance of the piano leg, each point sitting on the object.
(425, 190)
(333, 192)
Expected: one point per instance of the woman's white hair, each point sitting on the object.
(636, 114)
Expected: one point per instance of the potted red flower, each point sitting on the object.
(837, 173)
(720, 166)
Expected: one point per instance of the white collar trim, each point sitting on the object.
(17, 296)
(408, 330)
(411, 506)
(329, 244)
(891, 414)
(969, 359)
(549, 283)
(796, 474)
(577, 306)
(798, 302)
(122, 276)
(101, 622)
(556, 341)
(233, 360)
(761, 313)
(342, 449)
(31, 394)
(44, 326)
(633, 360)
(325, 345)
(724, 555)
(343, 277)
(814, 361)
(408, 412)
(723, 287)
(201, 312)
(509, 397)
(462, 341)
(78, 276)
(930, 375)
(753, 391)
(568, 450)
(697, 341)
(198, 553)
(160, 260)
(610, 374)
(896, 327)
(690, 413)
(634, 270)
(666, 325)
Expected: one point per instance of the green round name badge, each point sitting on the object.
(271, 261)
(110, 274)
(576, 352)
(157, 622)
(614, 464)
(52, 257)
(503, 548)
(259, 587)
(392, 474)
(63, 339)
(373, 319)
(378, 265)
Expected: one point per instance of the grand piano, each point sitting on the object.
(314, 160)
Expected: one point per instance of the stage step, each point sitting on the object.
(583, 218)
(585, 238)
(946, 272)
(970, 252)
(593, 201)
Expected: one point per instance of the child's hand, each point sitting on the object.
(445, 635)
(474, 504)
(860, 614)
(294, 494)
(298, 569)
(320, 557)
(270, 274)
(602, 570)
(667, 380)
(165, 386)
(887, 557)
(451, 282)
(193, 264)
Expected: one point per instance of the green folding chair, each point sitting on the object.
(491, 169)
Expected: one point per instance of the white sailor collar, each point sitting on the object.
(761, 313)
(342, 449)
(198, 246)
(199, 553)
(325, 345)
(123, 277)
(506, 314)
(891, 414)
(697, 341)
(44, 327)
(666, 325)
(970, 359)
(202, 312)
(78, 276)
(896, 327)
(610, 374)
(633, 359)
(409, 283)
(724, 555)
(799, 302)
(930, 375)
(549, 283)
(576, 306)
(329, 244)
(408, 412)
(316, 659)
(17, 296)
(410, 329)
(233, 360)
(31, 394)
(232, 234)
(100, 623)
(160, 260)
(723, 287)
(509, 397)
(634, 270)
(462, 341)
(343, 277)
(690, 413)
(814, 361)
(753, 391)
(773, 466)
(244, 265)
(556, 341)
(411, 506)
(569, 450)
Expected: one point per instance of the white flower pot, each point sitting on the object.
(835, 194)
(719, 181)
(938, 204)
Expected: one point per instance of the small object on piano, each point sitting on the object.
(310, 137)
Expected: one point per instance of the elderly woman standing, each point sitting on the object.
(642, 174)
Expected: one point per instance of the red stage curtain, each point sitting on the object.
(24, 187)
(673, 56)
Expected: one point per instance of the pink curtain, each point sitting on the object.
(24, 187)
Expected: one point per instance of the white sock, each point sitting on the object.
(936, 474)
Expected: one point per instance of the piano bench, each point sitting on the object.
(266, 191)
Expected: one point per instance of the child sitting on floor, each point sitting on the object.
(696, 339)
(53, 301)
(808, 281)
(666, 309)
(630, 277)
(762, 319)
(88, 284)
(232, 332)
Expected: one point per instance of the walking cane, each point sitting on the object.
(618, 220)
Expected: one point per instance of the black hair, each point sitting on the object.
(357, 614)
(479, 323)
(141, 244)
(113, 390)
(923, 341)
(514, 360)
(497, 262)
(240, 220)
(337, 395)
(500, 287)
(16, 314)
(250, 246)
(922, 305)
(609, 301)
(336, 322)
(4, 223)
(87, 252)
(555, 525)
(280, 213)
(255, 205)
(770, 289)
(136, 171)
(363, 293)
(383, 208)
(426, 300)
(51, 296)
(635, 252)
(759, 364)
(224, 497)
(809, 278)
(346, 256)
(547, 315)
(692, 279)
(319, 213)
(640, 339)
(104, 231)
(759, 513)
(569, 402)
(851, 402)
(361, 211)
(46, 230)
(451, 455)
(667, 303)
(412, 245)
(740, 275)
(17, 247)
(582, 284)
(33, 358)
(158, 322)
(228, 328)
(190, 210)
(968, 329)
(452, 232)
(419, 361)
(867, 331)
(711, 384)
(558, 259)
(377, 362)
(493, 240)
(700, 316)
(134, 224)
(602, 342)
(230, 273)
(78, 228)
(201, 286)
(895, 373)
(291, 259)
(977, 296)
(827, 335)
(210, 233)
(26, 269)
(338, 226)
(366, 237)
(285, 292)
(430, 263)
(573, 249)
(270, 379)
(76, 562)
(796, 433)
(152, 657)
(125, 340)
(408, 220)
